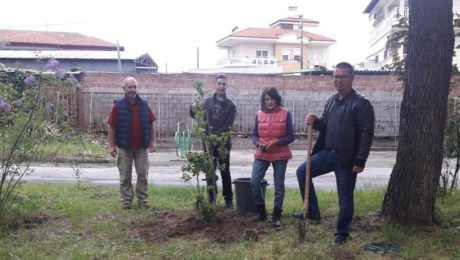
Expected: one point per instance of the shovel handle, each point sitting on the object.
(306, 199)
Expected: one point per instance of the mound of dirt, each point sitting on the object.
(228, 227)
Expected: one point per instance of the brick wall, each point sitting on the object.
(169, 95)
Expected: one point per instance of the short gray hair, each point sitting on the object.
(129, 79)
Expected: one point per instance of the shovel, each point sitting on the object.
(306, 200)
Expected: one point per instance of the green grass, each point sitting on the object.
(88, 223)
(74, 146)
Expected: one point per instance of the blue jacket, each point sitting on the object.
(123, 127)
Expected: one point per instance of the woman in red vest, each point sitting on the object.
(272, 134)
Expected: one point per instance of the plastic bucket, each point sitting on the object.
(244, 200)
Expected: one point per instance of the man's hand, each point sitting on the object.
(113, 151)
(357, 169)
(152, 147)
(311, 118)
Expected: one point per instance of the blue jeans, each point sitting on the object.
(259, 168)
(321, 163)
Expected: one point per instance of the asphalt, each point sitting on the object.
(165, 169)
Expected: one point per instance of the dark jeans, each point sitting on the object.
(324, 162)
(225, 172)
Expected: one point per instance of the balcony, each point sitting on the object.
(247, 62)
(312, 63)
(383, 26)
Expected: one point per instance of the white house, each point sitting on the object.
(287, 45)
(383, 15)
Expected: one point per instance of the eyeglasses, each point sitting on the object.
(223, 84)
(343, 77)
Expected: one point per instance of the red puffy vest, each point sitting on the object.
(272, 126)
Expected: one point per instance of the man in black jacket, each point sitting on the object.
(220, 112)
(346, 131)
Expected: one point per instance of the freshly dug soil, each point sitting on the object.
(227, 227)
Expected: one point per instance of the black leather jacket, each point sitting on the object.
(356, 133)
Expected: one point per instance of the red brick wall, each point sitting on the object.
(112, 81)
(171, 94)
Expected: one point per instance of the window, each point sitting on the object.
(262, 54)
(285, 54)
(297, 54)
(287, 26)
(316, 54)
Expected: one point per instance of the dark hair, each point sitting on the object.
(221, 77)
(271, 92)
(347, 66)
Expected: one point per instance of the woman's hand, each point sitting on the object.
(270, 145)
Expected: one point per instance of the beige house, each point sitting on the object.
(286, 46)
(383, 15)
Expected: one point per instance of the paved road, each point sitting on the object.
(165, 169)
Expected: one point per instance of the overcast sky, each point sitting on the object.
(171, 30)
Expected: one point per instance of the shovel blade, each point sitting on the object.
(302, 230)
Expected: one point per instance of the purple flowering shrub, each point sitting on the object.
(33, 110)
(53, 66)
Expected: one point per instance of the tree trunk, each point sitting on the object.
(411, 194)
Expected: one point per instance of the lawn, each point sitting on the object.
(67, 222)
(76, 146)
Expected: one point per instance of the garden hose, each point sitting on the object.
(184, 142)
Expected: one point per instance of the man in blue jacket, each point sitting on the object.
(131, 134)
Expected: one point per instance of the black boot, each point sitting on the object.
(276, 218)
(261, 213)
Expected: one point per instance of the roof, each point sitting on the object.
(273, 33)
(146, 61)
(62, 55)
(52, 38)
(291, 19)
(371, 6)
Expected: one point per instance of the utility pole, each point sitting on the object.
(301, 41)
(197, 57)
(119, 58)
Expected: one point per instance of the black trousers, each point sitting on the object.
(223, 161)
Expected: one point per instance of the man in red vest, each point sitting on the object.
(131, 136)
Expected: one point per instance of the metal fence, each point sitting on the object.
(172, 109)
